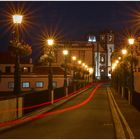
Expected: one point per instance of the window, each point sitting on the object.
(26, 69)
(102, 58)
(39, 84)
(7, 69)
(11, 85)
(25, 84)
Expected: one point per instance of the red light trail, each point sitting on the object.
(45, 103)
(53, 112)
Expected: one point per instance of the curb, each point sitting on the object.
(118, 118)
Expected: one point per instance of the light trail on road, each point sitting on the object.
(45, 103)
(40, 116)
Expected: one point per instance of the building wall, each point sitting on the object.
(32, 79)
(74, 49)
(12, 67)
(10, 104)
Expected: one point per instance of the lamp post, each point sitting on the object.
(74, 59)
(131, 43)
(17, 20)
(50, 43)
(65, 53)
(124, 52)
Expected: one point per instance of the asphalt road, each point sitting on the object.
(93, 120)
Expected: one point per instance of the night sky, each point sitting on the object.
(69, 20)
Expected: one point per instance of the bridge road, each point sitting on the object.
(90, 121)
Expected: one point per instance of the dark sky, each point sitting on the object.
(70, 20)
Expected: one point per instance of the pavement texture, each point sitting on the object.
(130, 113)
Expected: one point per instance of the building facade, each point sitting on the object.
(95, 54)
(33, 77)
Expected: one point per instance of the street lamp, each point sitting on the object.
(74, 72)
(74, 59)
(65, 53)
(124, 51)
(50, 43)
(131, 43)
(17, 20)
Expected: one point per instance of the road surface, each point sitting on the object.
(90, 120)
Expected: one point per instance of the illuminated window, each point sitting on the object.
(39, 84)
(25, 69)
(25, 84)
(92, 39)
(102, 70)
(11, 85)
(102, 58)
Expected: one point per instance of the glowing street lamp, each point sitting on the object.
(79, 61)
(50, 42)
(117, 61)
(119, 58)
(91, 70)
(17, 20)
(124, 51)
(73, 58)
(65, 53)
(131, 43)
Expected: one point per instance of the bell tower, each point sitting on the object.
(110, 49)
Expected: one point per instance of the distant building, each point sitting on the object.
(33, 77)
(95, 53)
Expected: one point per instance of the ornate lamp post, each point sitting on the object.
(131, 43)
(17, 20)
(65, 53)
(50, 43)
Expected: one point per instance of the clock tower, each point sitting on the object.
(110, 49)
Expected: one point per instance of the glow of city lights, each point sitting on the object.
(17, 19)
(131, 41)
(50, 42)
(65, 52)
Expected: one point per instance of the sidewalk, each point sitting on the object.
(131, 114)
